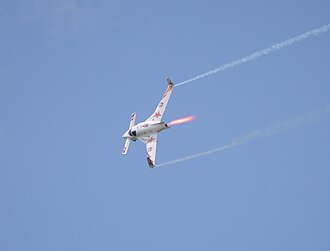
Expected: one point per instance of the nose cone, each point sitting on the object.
(125, 135)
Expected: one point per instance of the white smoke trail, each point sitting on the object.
(266, 132)
(261, 53)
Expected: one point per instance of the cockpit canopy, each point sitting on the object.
(132, 133)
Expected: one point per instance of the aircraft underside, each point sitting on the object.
(147, 131)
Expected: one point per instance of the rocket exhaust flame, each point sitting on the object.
(182, 120)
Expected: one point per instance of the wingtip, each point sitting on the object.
(150, 162)
(169, 81)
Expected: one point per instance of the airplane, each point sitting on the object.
(147, 131)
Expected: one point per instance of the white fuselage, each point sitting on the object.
(147, 131)
(144, 129)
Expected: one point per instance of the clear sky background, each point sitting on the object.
(71, 74)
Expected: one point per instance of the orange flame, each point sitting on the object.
(182, 120)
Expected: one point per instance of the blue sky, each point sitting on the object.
(71, 74)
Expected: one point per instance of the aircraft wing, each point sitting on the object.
(151, 145)
(160, 110)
